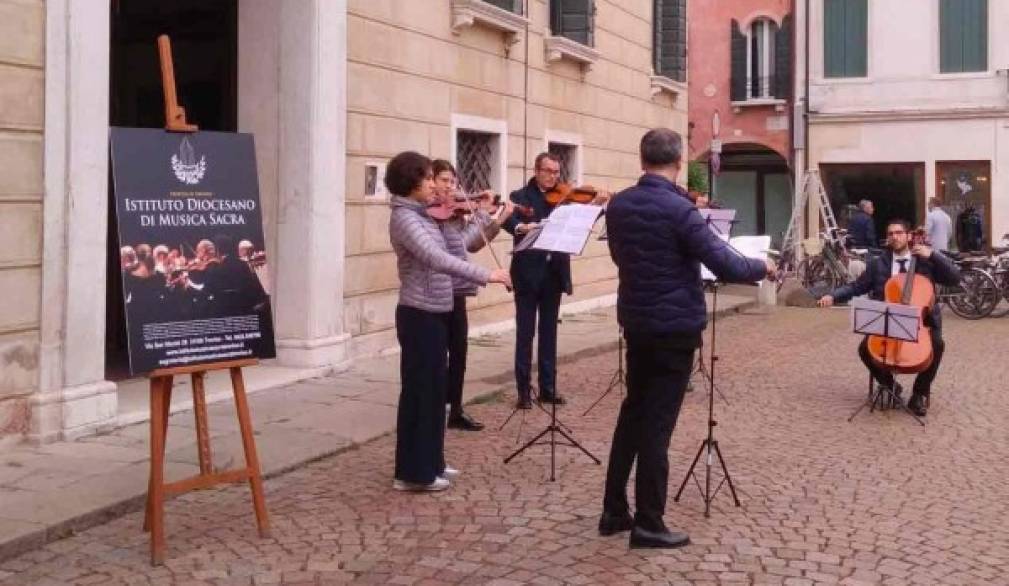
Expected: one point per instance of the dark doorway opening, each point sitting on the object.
(897, 190)
(204, 37)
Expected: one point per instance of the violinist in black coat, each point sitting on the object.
(539, 277)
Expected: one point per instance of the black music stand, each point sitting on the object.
(619, 378)
(720, 222)
(565, 231)
(892, 321)
(710, 444)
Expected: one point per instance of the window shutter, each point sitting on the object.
(963, 35)
(783, 59)
(737, 89)
(845, 38)
(573, 19)
(509, 5)
(670, 45)
(856, 28)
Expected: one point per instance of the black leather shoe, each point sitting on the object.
(554, 399)
(610, 524)
(658, 539)
(464, 422)
(917, 404)
(524, 403)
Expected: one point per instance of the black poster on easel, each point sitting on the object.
(192, 252)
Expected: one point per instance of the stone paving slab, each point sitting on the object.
(49, 491)
(878, 500)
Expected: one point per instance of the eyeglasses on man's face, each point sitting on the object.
(548, 171)
(896, 232)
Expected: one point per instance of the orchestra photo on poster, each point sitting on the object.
(192, 252)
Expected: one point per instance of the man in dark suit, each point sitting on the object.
(539, 277)
(861, 227)
(937, 267)
(658, 240)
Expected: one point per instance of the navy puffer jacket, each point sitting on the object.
(658, 240)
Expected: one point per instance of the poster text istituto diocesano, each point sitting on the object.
(192, 254)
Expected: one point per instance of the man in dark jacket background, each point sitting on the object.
(861, 226)
(658, 240)
(936, 267)
(539, 277)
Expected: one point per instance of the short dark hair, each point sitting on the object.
(903, 223)
(225, 245)
(405, 172)
(441, 165)
(544, 155)
(661, 147)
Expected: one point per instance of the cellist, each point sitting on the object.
(895, 259)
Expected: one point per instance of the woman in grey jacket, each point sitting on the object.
(425, 304)
(462, 235)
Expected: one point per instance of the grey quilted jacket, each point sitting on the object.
(462, 237)
(425, 266)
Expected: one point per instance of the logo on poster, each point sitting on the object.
(187, 169)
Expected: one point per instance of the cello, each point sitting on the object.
(907, 289)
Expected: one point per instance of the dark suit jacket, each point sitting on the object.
(530, 269)
(862, 230)
(938, 268)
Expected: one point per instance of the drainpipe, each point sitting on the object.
(805, 99)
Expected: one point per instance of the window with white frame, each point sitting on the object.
(474, 155)
(760, 58)
(567, 154)
(479, 149)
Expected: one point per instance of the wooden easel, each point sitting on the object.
(161, 398)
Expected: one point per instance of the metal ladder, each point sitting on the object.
(810, 182)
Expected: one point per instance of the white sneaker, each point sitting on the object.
(450, 473)
(438, 484)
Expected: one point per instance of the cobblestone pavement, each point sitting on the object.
(878, 500)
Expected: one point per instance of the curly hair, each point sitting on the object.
(405, 172)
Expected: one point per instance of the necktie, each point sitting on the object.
(903, 265)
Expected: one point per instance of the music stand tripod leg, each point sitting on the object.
(690, 471)
(728, 477)
(555, 427)
(618, 380)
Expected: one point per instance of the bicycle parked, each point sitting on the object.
(978, 293)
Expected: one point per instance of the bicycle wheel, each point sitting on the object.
(1002, 307)
(976, 296)
(817, 275)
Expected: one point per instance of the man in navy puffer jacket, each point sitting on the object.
(658, 240)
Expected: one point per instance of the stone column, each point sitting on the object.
(308, 298)
(73, 397)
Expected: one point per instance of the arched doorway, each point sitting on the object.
(755, 181)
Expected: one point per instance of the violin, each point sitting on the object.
(462, 203)
(257, 259)
(907, 289)
(201, 265)
(568, 193)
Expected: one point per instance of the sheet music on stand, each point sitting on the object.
(889, 320)
(566, 230)
(720, 222)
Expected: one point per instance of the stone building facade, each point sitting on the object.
(331, 89)
(741, 64)
(22, 29)
(898, 114)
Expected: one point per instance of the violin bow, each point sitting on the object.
(486, 242)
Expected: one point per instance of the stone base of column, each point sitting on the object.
(329, 351)
(72, 412)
